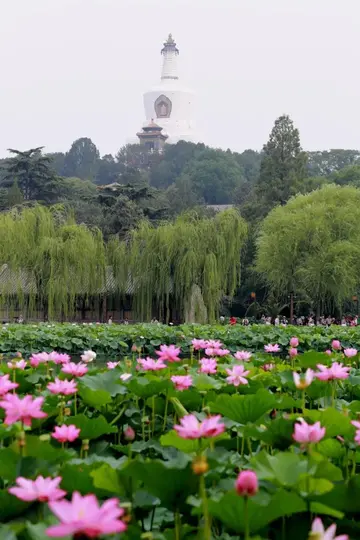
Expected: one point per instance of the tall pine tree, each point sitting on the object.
(283, 167)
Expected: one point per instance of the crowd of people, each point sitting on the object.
(309, 320)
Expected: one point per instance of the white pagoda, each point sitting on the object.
(169, 103)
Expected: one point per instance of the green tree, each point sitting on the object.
(185, 266)
(57, 162)
(250, 162)
(326, 162)
(14, 195)
(181, 196)
(283, 166)
(347, 176)
(50, 257)
(75, 189)
(136, 156)
(82, 159)
(33, 173)
(311, 246)
(173, 162)
(215, 176)
(124, 206)
(108, 170)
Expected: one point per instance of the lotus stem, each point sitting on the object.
(153, 416)
(166, 410)
(207, 526)
(246, 518)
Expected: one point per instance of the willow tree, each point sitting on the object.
(50, 257)
(188, 265)
(311, 246)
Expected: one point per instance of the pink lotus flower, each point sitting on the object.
(199, 344)
(349, 353)
(65, 388)
(334, 372)
(220, 352)
(246, 484)
(22, 409)
(112, 365)
(148, 364)
(243, 356)
(168, 353)
(268, 367)
(20, 364)
(66, 433)
(303, 382)
(39, 358)
(182, 382)
(42, 489)
(191, 428)
(237, 375)
(216, 344)
(6, 385)
(129, 434)
(76, 370)
(82, 516)
(328, 352)
(59, 358)
(305, 433)
(208, 365)
(318, 532)
(357, 434)
(272, 348)
(216, 351)
(336, 345)
(294, 342)
(293, 352)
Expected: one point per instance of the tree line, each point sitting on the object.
(300, 241)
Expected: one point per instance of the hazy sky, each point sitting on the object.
(76, 68)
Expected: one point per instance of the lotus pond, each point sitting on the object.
(196, 439)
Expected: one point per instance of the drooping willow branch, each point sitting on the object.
(50, 259)
(165, 263)
(187, 265)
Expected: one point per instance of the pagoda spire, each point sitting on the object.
(170, 53)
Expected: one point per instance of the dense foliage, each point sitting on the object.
(117, 340)
(192, 263)
(116, 194)
(311, 246)
(221, 444)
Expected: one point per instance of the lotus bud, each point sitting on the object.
(129, 434)
(200, 465)
(20, 436)
(246, 484)
(85, 445)
(127, 506)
